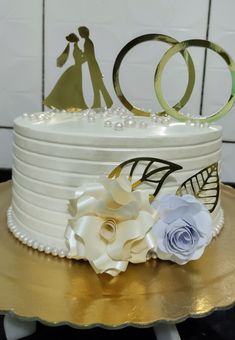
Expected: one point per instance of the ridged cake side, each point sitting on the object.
(51, 159)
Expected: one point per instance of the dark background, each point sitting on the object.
(220, 325)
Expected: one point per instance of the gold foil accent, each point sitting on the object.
(67, 94)
(152, 172)
(43, 287)
(180, 47)
(143, 38)
(136, 184)
(204, 185)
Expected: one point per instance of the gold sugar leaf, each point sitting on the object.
(204, 185)
(155, 171)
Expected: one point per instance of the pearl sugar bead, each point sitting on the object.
(154, 118)
(129, 122)
(118, 126)
(143, 125)
(108, 124)
(91, 119)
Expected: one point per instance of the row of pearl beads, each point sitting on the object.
(50, 116)
(197, 124)
(220, 225)
(119, 126)
(89, 113)
(33, 243)
(130, 122)
(165, 120)
(39, 117)
(160, 119)
(92, 114)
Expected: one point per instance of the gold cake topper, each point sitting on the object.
(182, 46)
(67, 93)
(141, 39)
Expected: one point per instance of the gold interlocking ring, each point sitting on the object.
(180, 47)
(127, 48)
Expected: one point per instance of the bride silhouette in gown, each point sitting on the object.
(67, 94)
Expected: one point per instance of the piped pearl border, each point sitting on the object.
(64, 253)
(220, 224)
(25, 239)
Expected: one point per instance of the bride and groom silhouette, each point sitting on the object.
(68, 92)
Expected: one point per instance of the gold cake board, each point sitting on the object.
(60, 291)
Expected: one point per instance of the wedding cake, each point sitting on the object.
(56, 153)
(117, 185)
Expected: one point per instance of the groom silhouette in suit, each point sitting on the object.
(95, 73)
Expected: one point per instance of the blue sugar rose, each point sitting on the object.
(183, 230)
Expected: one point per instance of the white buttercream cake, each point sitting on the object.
(56, 152)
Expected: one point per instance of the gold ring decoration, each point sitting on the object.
(180, 47)
(127, 48)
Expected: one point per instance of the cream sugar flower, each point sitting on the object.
(110, 225)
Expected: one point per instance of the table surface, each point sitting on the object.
(61, 291)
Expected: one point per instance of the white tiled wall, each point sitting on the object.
(218, 80)
(32, 36)
(20, 65)
(228, 162)
(5, 148)
(20, 58)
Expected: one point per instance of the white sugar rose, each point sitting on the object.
(110, 225)
(183, 230)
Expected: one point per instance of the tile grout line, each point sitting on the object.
(229, 141)
(205, 57)
(43, 54)
(6, 127)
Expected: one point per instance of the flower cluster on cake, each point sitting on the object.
(113, 223)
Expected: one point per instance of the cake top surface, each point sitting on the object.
(111, 127)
